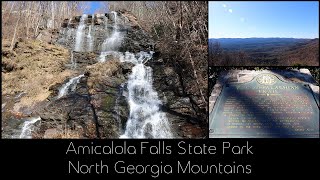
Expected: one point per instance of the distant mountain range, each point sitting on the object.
(267, 44)
(269, 51)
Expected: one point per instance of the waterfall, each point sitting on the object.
(114, 17)
(113, 42)
(90, 36)
(115, 54)
(105, 20)
(73, 61)
(69, 30)
(80, 33)
(69, 86)
(27, 128)
(145, 119)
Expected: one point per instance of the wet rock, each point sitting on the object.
(176, 104)
(135, 40)
(126, 67)
(84, 59)
(98, 21)
(110, 106)
(69, 111)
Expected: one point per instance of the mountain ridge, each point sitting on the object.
(267, 51)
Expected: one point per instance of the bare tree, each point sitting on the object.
(180, 28)
(15, 31)
(215, 53)
(25, 18)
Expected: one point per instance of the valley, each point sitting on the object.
(264, 51)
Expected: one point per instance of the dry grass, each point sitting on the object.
(100, 71)
(39, 65)
(109, 68)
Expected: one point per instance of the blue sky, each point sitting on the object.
(263, 19)
(93, 6)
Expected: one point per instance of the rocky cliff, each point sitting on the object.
(94, 102)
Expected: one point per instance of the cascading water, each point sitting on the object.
(80, 33)
(105, 20)
(146, 119)
(115, 18)
(69, 86)
(73, 61)
(115, 54)
(69, 30)
(113, 42)
(90, 35)
(26, 132)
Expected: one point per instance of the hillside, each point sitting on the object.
(303, 54)
(264, 51)
(254, 44)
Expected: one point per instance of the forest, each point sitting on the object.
(263, 52)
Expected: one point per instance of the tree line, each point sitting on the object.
(297, 55)
(28, 18)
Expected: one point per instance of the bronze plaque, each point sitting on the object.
(266, 106)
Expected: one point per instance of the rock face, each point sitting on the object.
(27, 73)
(90, 111)
(73, 111)
(102, 26)
(83, 59)
(94, 102)
(105, 82)
(174, 103)
(107, 94)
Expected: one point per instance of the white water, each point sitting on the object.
(80, 33)
(73, 61)
(90, 35)
(66, 30)
(69, 86)
(114, 18)
(113, 42)
(146, 120)
(115, 54)
(69, 30)
(105, 19)
(27, 128)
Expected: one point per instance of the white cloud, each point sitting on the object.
(224, 5)
(242, 19)
(230, 10)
